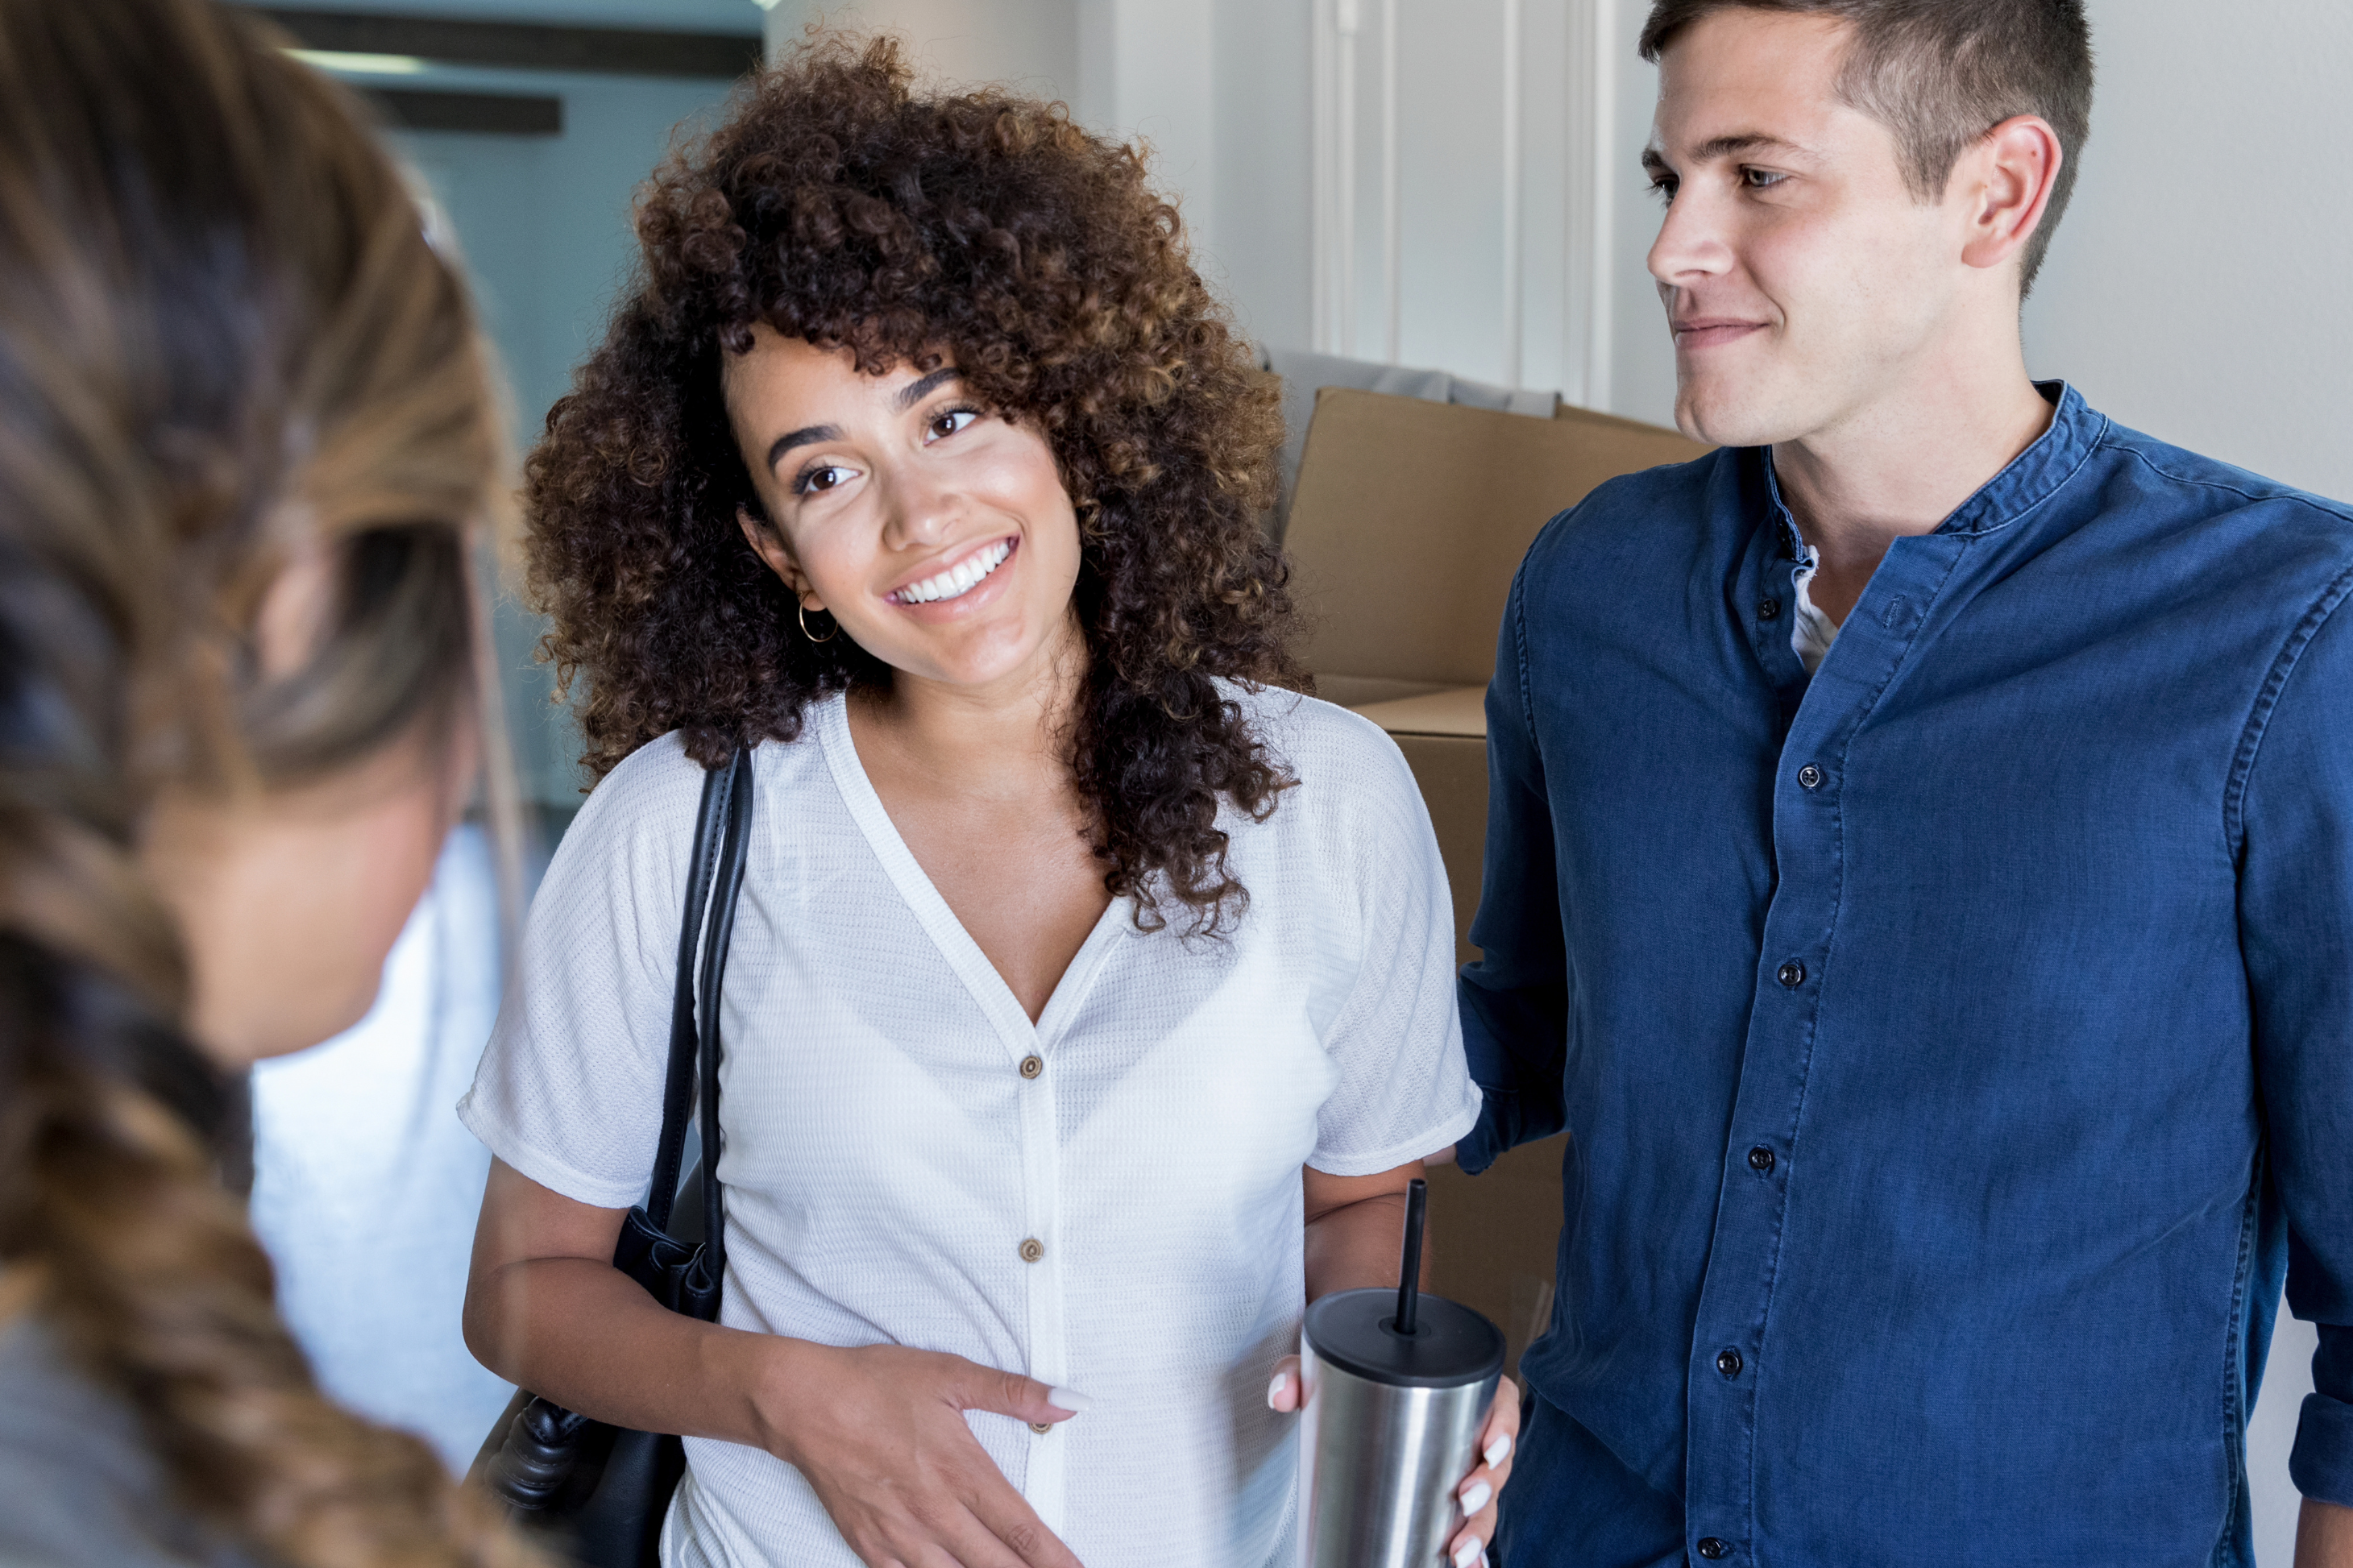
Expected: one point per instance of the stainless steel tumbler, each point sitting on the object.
(1397, 1385)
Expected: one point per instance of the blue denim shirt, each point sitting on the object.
(1962, 1038)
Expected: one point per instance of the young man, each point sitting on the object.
(1920, 875)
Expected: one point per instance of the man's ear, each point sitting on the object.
(2011, 174)
(768, 544)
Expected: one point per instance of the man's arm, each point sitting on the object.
(2296, 932)
(1515, 998)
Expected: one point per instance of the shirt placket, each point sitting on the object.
(1041, 1253)
(1731, 1364)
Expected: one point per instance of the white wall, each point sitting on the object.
(1172, 73)
(1028, 45)
(1260, 53)
(1146, 71)
(1224, 93)
(1642, 356)
(2197, 290)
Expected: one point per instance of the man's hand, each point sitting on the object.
(2324, 1536)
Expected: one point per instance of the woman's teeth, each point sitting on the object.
(958, 579)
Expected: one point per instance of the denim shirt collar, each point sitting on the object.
(2033, 477)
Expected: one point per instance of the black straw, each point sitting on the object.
(1417, 1209)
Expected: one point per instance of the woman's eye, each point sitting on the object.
(949, 421)
(818, 479)
(1664, 189)
(1761, 179)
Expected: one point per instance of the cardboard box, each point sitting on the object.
(1444, 738)
(1408, 522)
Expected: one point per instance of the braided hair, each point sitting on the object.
(223, 340)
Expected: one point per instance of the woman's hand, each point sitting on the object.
(880, 1432)
(1485, 1484)
(1477, 1494)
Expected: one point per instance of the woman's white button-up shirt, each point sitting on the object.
(1108, 1199)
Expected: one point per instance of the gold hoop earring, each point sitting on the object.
(802, 610)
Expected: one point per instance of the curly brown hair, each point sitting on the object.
(840, 205)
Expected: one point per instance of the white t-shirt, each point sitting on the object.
(1811, 633)
(886, 1159)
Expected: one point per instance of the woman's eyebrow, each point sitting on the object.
(801, 438)
(914, 392)
(923, 387)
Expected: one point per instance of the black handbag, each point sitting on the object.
(592, 1492)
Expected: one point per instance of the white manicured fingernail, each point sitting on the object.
(1467, 1553)
(1069, 1399)
(1274, 1390)
(1474, 1497)
(1498, 1451)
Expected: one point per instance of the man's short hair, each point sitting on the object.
(1940, 74)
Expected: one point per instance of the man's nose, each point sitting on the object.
(1690, 244)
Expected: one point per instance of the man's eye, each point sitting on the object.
(822, 478)
(1664, 189)
(1761, 179)
(947, 422)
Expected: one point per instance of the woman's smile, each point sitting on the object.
(958, 579)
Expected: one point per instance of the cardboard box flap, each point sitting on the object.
(1410, 518)
(1595, 419)
(1362, 690)
(1460, 712)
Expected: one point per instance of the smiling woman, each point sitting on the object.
(1003, 241)
(940, 539)
(1090, 1004)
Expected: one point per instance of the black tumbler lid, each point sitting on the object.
(1355, 1330)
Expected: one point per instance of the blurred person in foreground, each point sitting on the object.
(1090, 1001)
(245, 440)
(1920, 873)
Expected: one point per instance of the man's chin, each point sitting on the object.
(1734, 416)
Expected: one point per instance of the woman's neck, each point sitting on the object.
(1008, 739)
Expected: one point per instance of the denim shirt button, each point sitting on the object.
(1760, 1160)
(1729, 1363)
(1712, 1549)
(1810, 777)
(1791, 974)
(1769, 610)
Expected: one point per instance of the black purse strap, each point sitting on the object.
(548, 1463)
(715, 877)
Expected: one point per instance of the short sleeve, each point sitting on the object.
(1404, 1091)
(569, 1090)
